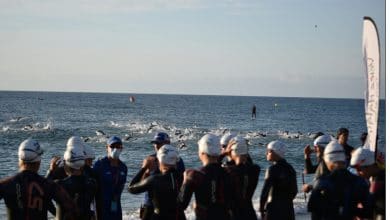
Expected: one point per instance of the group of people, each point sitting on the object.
(223, 186)
(347, 184)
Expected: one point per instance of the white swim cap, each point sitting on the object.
(362, 157)
(30, 151)
(240, 146)
(334, 152)
(226, 138)
(323, 140)
(74, 141)
(209, 144)
(74, 157)
(277, 147)
(167, 154)
(88, 151)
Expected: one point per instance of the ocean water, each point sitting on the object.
(51, 118)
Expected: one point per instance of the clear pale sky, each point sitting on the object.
(300, 48)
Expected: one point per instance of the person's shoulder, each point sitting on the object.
(8, 179)
(193, 174)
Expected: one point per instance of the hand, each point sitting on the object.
(54, 163)
(228, 148)
(307, 151)
(307, 188)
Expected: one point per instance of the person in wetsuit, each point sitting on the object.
(111, 175)
(363, 160)
(57, 169)
(210, 183)
(245, 177)
(27, 195)
(320, 168)
(280, 185)
(150, 167)
(82, 188)
(342, 137)
(163, 187)
(339, 195)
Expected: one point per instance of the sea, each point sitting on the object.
(53, 117)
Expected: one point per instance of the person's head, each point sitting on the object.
(363, 160)
(89, 154)
(208, 148)
(29, 154)
(114, 147)
(74, 141)
(74, 160)
(276, 150)
(167, 156)
(334, 156)
(363, 137)
(320, 144)
(239, 148)
(225, 139)
(342, 136)
(159, 139)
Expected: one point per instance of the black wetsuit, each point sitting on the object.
(279, 190)
(320, 169)
(147, 208)
(163, 189)
(82, 189)
(27, 196)
(245, 178)
(231, 162)
(213, 192)
(59, 174)
(378, 192)
(348, 151)
(337, 195)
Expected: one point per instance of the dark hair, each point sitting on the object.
(342, 131)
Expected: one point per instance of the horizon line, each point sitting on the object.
(184, 94)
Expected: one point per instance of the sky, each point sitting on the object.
(289, 48)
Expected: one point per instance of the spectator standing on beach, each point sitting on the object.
(27, 195)
(150, 166)
(280, 185)
(163, 187)
(363, 160)
(320, 168)
(245, 177)
(341, 194)
(81, 188)
(111, 175)
(210, 183)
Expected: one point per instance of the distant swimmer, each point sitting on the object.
(100, 133)
(28, 128)
(253, 111)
